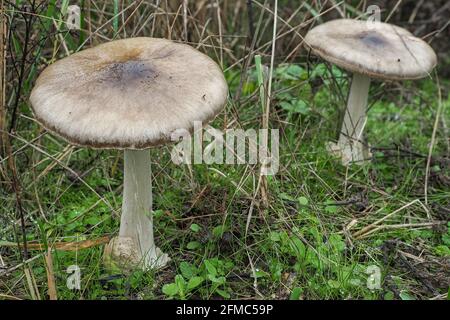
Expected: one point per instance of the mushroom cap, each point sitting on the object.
(128, 94)
(376, 49)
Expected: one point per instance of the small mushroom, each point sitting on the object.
(369, 50)
(131, 95)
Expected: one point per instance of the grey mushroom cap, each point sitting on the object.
(128, 94)
(376, 49)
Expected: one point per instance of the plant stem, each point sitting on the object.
(116, 18)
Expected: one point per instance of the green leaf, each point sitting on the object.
(249, 87)
(223, 293)
(295, 106)
(275, 236)
(285, 96)
(294, 69)
(194, 282)
(319, 71)
(389, 296)
(295, 294)
(158, 213)
(210, 268)
(216, 280)
(193, 245)
(286, 105)
(442, 250)
(179, 280)
(195, 227)
(181, 284)
(298, 247)
(187, 270)
(303, 201)
(406, 296)
(72, 226)
(355, 282)
(260, 76)
(219, 231)
(337, 242)
(260, 274)
(446, 238)
(334, 284)
(73, 214)
(285, 196)
(170, 289)
(289, 72)
(93, 220)
(301, 106)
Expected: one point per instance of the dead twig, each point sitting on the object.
(62, 246)
(51, 283)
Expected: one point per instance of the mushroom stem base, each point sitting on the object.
(121, 254)
(350, 153)
(135, 246)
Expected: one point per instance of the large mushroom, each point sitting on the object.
(130, 94)
(370, 50)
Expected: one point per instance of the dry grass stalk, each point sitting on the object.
(62, 246)
(31, 282)
(51, 283)
(360, 233)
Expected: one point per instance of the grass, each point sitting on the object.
(310, 242)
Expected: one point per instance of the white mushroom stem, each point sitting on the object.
(135, 244)
(350, 145)
(136, 221)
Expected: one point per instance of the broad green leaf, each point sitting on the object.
(210, 268)
(170, 289)
(194, 282)
(193, 245)
(187, 270)
(195, 227)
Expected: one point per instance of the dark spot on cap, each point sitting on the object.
(125, 73)
(372, 39)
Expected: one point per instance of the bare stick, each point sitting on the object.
(51, 283)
